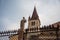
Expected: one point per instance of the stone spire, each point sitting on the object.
(34, 15)
(34, 21)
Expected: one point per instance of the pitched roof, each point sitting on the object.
(34, 15)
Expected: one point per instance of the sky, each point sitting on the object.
(12, 11)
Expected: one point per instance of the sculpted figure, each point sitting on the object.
(22, 23)
(21, 30)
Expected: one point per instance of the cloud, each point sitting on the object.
(13, 11)
(9, 25)
(49, 12)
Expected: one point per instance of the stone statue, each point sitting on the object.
(23, 21)
(21, 30)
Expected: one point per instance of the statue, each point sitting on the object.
(23, 21)
(21, 30)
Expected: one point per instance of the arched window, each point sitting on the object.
(33, 23)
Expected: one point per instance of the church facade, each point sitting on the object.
(35, 32)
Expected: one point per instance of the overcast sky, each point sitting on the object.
(12, 11)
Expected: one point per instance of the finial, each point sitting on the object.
(34, 6)
(35, 3)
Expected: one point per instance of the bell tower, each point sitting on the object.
(34, 21)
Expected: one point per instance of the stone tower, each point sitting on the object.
(34, 22)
